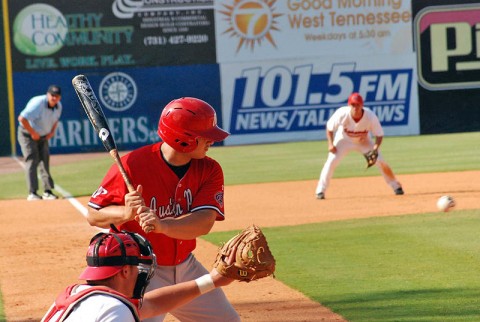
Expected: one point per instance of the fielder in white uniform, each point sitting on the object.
(350, 129)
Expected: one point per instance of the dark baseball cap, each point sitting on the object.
(54, 90)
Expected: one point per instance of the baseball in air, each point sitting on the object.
(445, 203)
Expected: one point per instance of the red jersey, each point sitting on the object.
(202, 187)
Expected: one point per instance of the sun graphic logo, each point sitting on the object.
(252, 21)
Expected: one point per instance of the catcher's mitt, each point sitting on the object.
(246, 257)
(371, 157)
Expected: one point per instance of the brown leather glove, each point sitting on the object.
(245, 257)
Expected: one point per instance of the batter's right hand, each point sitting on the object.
(133, 201)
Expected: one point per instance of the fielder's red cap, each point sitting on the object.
(355, 98)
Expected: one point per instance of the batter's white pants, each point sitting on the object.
(344, 146)
(212, 306)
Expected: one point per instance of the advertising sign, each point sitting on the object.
(55, 35)
(251, 30)
(132, 100)
(292, 99)
(138, 54)
(447, 46)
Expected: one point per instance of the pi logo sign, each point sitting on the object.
(447, 41)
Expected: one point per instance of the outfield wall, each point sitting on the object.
(274, 71)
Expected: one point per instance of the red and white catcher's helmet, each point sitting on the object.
(108, 253)
(355, 98)
(186, 119)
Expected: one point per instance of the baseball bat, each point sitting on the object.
(94, 111)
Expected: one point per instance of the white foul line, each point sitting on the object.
(67, 195)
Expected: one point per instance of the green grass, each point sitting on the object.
(304, 160)
(286, 162)
(404, 268)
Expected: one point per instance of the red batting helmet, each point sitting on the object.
(355, 98)
(186, 119)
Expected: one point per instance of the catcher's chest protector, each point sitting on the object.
(66, 302)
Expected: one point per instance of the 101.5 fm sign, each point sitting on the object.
(447, 41)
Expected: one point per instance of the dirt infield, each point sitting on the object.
(44, 242)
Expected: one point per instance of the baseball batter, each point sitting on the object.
(350, 129)
(184, 188)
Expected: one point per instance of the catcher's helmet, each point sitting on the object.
(186, 119)
(108, 253)
(355, 98)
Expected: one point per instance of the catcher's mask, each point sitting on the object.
(186, 119)
(355, 98)
(109, 252)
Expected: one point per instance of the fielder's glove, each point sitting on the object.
(371, 157)
(246, 257)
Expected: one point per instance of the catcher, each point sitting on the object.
(349, 129)
(121, 264)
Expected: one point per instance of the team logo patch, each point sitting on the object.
(118, 91)
(100, 191)
(219, 198)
